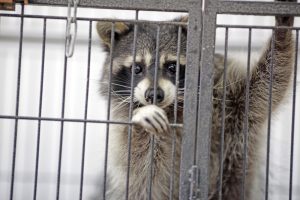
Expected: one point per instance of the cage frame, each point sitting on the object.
(200, 52)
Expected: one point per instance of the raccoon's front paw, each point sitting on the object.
(152, 118)
(285, 20)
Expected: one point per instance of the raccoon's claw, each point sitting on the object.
(152, 118)
(285, 20)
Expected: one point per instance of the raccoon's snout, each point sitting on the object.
(149, 95)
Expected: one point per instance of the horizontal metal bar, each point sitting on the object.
(72, 120)
(25, 177)
(229, 7)
(98, 19)
(256, 8)
(184, 24)
(166, 5)
(255, 27)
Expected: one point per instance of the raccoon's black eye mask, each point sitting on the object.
(171, 67)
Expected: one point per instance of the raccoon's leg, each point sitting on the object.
(149, 121)
(279, 58)
(282, 63)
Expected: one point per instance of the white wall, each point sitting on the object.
(74, 105)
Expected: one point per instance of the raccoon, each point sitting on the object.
(153, 110)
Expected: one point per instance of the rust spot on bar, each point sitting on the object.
(10, 4)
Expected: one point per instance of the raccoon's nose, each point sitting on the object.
(149, 95)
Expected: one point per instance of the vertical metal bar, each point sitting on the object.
(156, 64)
(40, 110)
(188, 144)
(17, 105)
(85, 110)
(246, 125)
(177, 72)
(151, 168)
(205, 98)
(62, 126)
(220, 183)
(154, 102)
(269, 116)
(293, 118)
(131, 103)
(175, 114)
(112, 40)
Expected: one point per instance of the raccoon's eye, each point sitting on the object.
(138, 69)
(171, 67)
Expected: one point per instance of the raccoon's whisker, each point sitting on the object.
(123, 86)
(122, 93)
(219, 85)
(121, 98)
(117, 94)
(120, 105)
(127, 99)
(218, 99)
(122, 90)
(115, 84)
(127, 80)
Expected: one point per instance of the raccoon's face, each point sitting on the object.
(144, 70)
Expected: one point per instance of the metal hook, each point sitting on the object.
(71, 29)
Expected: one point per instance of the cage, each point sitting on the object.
(56, 127)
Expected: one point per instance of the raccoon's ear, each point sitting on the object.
(104, 32)
(183, 19)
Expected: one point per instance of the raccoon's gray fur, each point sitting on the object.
(145, 128)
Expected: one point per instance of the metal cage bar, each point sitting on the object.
(86, 110)
(205, 98)
(131, 103)
(190, 99)
(61, 139)
(166, 5)
(17, 104)
(112, 44)
(175, 114)
(246, 117)
(40, 110)
(221, 151)
(293, 117)
(221, 7)
(256, 8)
(269, 116)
